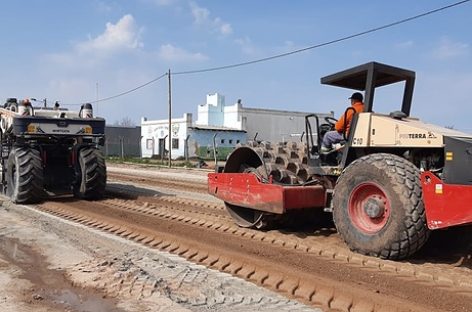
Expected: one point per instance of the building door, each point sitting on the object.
(162, 147)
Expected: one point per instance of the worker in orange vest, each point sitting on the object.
(342, 125)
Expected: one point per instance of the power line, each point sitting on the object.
(125, 92)
(322, 44)
(131, 90)
(269, 58)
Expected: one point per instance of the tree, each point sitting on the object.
(125, 122)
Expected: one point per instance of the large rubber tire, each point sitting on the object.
(25, 177)
(92, 177)
(392, 183)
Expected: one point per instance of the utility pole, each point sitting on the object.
(170, 120)
(97, 97)
(122, 145)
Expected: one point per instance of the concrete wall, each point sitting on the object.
(122, 141)
(211, 113)
(270, 125)
(233, 116)
(201, 142)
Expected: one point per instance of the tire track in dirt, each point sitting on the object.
(305, 275)
(191, 186)
(329, 246)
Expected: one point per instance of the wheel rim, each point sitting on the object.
(369, 208)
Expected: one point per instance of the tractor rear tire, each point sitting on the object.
(378, 207)
(92, 177)
(25, 177)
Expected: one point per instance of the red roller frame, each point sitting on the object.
(245, 190)
(446, 204)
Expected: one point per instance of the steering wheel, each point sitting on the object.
(331, 121)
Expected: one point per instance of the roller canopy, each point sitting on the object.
(372, 75)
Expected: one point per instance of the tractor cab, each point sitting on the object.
(365, 78)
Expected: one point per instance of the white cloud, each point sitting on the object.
(449, 49)
(202, 17)
(124, 35)
(247, 47)
(168, 52)
(226, 29)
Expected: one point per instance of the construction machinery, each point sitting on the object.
(392, 181)
(50, 151)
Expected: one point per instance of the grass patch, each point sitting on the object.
(152, 162)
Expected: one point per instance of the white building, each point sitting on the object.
(188, 140)
(222, 125)
(155, 140)
(269, 124)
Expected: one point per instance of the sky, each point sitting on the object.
(72, 51)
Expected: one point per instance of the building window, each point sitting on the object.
(149, 144)
(237, 141)
(175, 143)
(222, 141)
(230, 141)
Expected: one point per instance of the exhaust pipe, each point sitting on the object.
(86, 111)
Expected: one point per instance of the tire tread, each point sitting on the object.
(93, 176)
(405, 176)
(30, 186)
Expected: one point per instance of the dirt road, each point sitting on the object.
(150, 210)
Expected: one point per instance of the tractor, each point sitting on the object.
(50, 151)
(390, 182)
